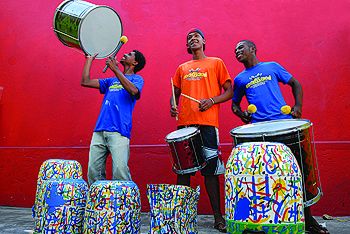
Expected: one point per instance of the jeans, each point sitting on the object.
(103, 143)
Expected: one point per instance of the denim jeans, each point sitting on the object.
(103, 143)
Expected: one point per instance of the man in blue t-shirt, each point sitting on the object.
(113, 126)
(259, 82)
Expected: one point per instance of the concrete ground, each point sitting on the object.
(15, 220)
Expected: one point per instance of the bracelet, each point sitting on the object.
(212, 100)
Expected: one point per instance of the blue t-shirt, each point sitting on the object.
(118, 105)
(260, 86)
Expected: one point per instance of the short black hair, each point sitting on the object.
(250, 44)
(141, 61)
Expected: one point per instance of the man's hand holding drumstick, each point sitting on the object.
(174, 100)
(204, 104)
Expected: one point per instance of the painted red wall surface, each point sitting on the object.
(45, 113)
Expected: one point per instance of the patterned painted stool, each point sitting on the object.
(113, 207)
(52, 169)
(264, 190)
(173, 208)
(63, 205)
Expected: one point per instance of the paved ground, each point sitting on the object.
(15, 220)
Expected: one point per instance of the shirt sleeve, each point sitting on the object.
(138, 82)
(223, 73)
(238, 91)
(104, 84)
(282, 74)
(177, 78)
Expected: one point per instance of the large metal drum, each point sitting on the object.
(88, 27)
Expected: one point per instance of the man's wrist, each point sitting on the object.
(212, 100)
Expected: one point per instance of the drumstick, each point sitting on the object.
(191, 98)
(173, 91)
(123, 40)
(286, 110)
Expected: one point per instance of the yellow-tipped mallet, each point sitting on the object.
(251, 109)
(286, 110)
(122, 41)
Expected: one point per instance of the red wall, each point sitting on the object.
(45, 113)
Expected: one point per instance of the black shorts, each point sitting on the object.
(211, 152)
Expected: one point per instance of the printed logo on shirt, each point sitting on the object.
(257, 80)
(195, 74)
(116, 87)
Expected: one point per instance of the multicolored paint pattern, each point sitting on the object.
(64, 205)
(173, 208)
(52, 169)
(263, 189)
(113, 207)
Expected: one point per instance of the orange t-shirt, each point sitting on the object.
(200, 79)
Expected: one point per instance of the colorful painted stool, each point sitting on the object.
(64, 205)
(52, 169)
(173, 208)
(113, 207)
(264, 192)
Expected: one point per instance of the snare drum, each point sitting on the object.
(297, 134)
(186, 147)
(88, 27)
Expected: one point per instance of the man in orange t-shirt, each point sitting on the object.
(202, 79)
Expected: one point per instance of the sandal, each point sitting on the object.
(220, 226)
(315, 228)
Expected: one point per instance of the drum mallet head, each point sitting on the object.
(286, 110)
(123, 39)
(251, 109)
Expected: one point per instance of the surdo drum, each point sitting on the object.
(186, 147)
(88, 27)
(297, 134)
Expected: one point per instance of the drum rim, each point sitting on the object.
(303, 126)
(182, 137)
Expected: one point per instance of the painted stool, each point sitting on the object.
(64, 205)
(264, 192)
(173, 208)
(113, 207)
(52, 169)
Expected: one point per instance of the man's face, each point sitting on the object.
(195, 41)
(128, 58)
(243, 52)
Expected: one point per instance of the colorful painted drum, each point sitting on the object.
(113, 207)
(186, 146)
(52, 169)
(64, 205)
(297, 134)
(88, 27)
(173, 208)
(264, 192)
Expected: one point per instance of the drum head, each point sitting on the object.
(100, 32)
(182, 133)
(271, 128)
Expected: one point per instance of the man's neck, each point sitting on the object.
(198, 54)
(251, 63)
(128, 70)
